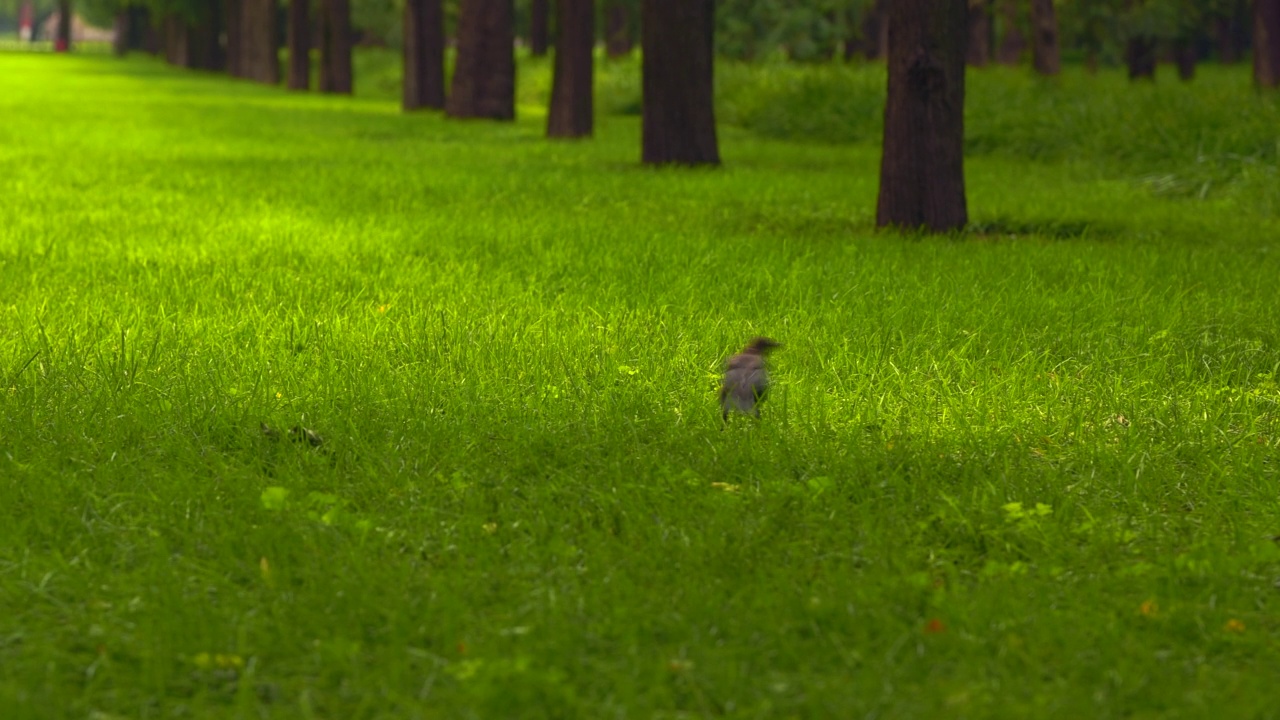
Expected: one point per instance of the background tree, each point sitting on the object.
(299, 41)
(1266, 43)
(257, 41)
(678, 123)
(539, 27)
(619, 28)
(484, 75)
(423, 54)
(335, 47)
(922, 166)
(980, 34)
(572, 110)
(62, 39)
(1045, 53)
(232, 12)
(1013, 39)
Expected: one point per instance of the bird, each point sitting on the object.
(746, 379)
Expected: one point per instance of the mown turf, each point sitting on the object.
(1030, 471)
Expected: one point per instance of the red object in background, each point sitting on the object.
(60, 45)
(26, 21)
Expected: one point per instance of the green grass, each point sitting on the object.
(1053, 440)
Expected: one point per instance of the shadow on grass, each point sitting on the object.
(1009, 228)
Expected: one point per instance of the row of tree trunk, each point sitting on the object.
(921, 173)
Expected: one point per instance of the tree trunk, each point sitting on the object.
(922, 168)
(423, 54)
(62, 41)
(875, 30)
(1140, 56)
(979, 52)
(1266, 43)
(259, 60)
(618, 35)
(121, 31)
(572, 112)
(335, 47)
(1185, 57)
(176, 45)
(234, 14)
(677, 49)
(204, 48)
(539, 16)
(484, 75)
(1228, 46)
(299, 40)
(1013, 43)
(1045, 55)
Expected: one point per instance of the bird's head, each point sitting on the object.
(761, 346)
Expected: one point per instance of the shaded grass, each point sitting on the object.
(1056, 438)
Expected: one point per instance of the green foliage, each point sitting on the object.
(803, 30)
(1025, 472)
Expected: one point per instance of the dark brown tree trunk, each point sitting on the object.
(677, 49)
(234, 14)
(1228, 45)
(1012, 43)
(1185, 57)
(1266, 43)
(62, 41)
(176, 45)
(423, 54)
(484, 75)
(539, 20)
(1045, 54)
(121, 30)
(259, 60)
(922, 168)
(299, 39)
(204, 38)
(1140, 56)
(619, 37)
(335, 47)
(152, 43)
(875, 30)
(979, 52)
(572, 111)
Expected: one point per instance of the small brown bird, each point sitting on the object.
(746, 379)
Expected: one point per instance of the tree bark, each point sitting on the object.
(572, 111)
(204, 47)
(980, 32)
(62, 40)
(619, 37)
(1140, 56)
(423, 54)
(484, 75)
(1045, 54)
(299, 39)
(335, 47)
(1013, 43)
(234, 14)
(176, 37)
(1266, 43)
(922, 168)
(1228, 43)
(259, 60)
(121, 31)
(875, 30)
(1185, 58)
(539, 20)
(677, 48)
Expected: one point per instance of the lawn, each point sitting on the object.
(1029, 471)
